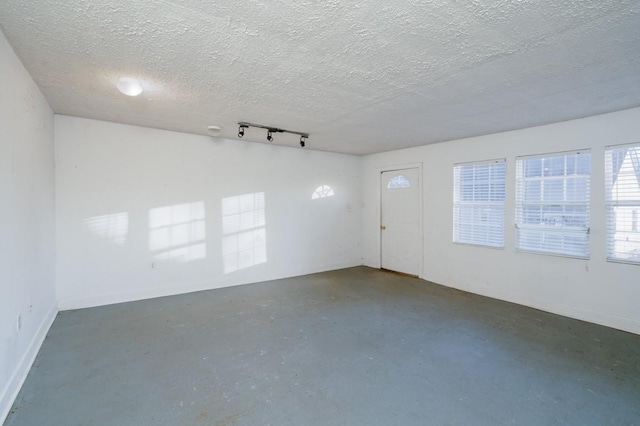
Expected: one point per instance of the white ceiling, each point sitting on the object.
(359, 76)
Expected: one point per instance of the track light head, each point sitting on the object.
(269, 137)
(241, 131)
(302, 141)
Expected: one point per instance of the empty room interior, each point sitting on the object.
(313, 213)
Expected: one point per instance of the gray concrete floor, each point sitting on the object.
(352, 347)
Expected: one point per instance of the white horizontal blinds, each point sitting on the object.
(478, 203)
(552, 203)
(622, 170)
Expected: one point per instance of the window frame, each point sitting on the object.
(457, 203)
(609, 204)
(520, 203)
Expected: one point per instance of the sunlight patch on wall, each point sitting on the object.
(178, 232)
(243, 224)
(323, 191)
(113, 227)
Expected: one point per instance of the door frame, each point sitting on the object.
(420, 207)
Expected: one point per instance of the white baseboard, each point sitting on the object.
(575, 312)
(152, 292)
(10, 391)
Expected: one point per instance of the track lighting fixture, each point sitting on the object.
(270, 131)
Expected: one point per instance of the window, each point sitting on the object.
(552, 203)
(622, 172)
(399, 181)
(478, 203)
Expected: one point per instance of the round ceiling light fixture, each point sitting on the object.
(214, 130)
(129, 86)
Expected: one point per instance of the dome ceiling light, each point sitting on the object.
(129, 86)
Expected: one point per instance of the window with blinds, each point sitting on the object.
(552, 203)
(478, 203)
(622, 173)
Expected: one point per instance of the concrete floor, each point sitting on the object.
(352, 347)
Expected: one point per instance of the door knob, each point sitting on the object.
(383, 227)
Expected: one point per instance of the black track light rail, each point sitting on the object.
(272, 129)
(245, 125)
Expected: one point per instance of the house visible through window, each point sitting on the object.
(622, 173)
(478, 203)
(552, 203)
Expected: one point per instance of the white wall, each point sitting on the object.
(139, 212)
(27, 261)
(593, 290)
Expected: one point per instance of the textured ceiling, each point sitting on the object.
(359, 76)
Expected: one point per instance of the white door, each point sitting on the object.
(400, 233)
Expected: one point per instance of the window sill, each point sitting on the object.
(626, 262)
(546, 253)
(478, 245)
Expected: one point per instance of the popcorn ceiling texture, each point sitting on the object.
(361, 77)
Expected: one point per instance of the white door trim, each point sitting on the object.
(420, 204)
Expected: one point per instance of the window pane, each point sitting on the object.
(552, 242)
(532, 167)
(533, 190)
(584, 164)
(481, 192)
(552, 215)
(552, 204)
(577, 189)
(497, 190)
(466, 174)
(572, 161)
(576, 216)
(553, 190)
(466, 191)
(478, 212)
(554, 166)
(622, 169)
(399, 181)
(532, 215)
